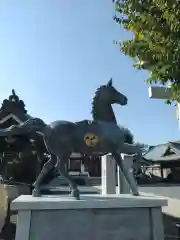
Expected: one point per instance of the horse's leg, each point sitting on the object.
(128, 177)
(132, 149)
(61, 165)
(45, 170)
(39, 164)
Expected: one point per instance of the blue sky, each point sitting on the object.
(55, 53)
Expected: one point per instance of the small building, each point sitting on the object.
(163, 161)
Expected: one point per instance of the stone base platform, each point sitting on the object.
(95, 217)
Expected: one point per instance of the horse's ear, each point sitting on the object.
(109, 84)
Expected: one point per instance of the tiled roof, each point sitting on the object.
(175, 146)
(158, 152)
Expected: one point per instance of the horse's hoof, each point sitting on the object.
(75, 194)
(36, 193)
(136, 194)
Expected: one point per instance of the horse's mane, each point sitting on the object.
(94, 101)
(95, 106)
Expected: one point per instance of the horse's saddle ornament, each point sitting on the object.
(91, 140)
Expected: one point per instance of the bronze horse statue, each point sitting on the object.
(99, 136)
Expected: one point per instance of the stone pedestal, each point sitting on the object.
(123, 186)
(93, 217)
(108, 175)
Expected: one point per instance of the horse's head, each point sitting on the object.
(110, 95)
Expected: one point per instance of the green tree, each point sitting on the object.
(155, 45)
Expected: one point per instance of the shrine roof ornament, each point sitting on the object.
(13, 108)
(13, 97)
(13, 103)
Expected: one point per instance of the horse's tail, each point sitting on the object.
(128, 136)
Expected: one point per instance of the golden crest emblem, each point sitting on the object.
(91, 139)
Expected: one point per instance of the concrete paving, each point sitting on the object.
(171, 192)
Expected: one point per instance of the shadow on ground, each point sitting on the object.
(171, 229)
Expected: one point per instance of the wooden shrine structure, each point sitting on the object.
(13, 111)
(164, 161)
(12, 152)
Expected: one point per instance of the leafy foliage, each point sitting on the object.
(155, 45)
